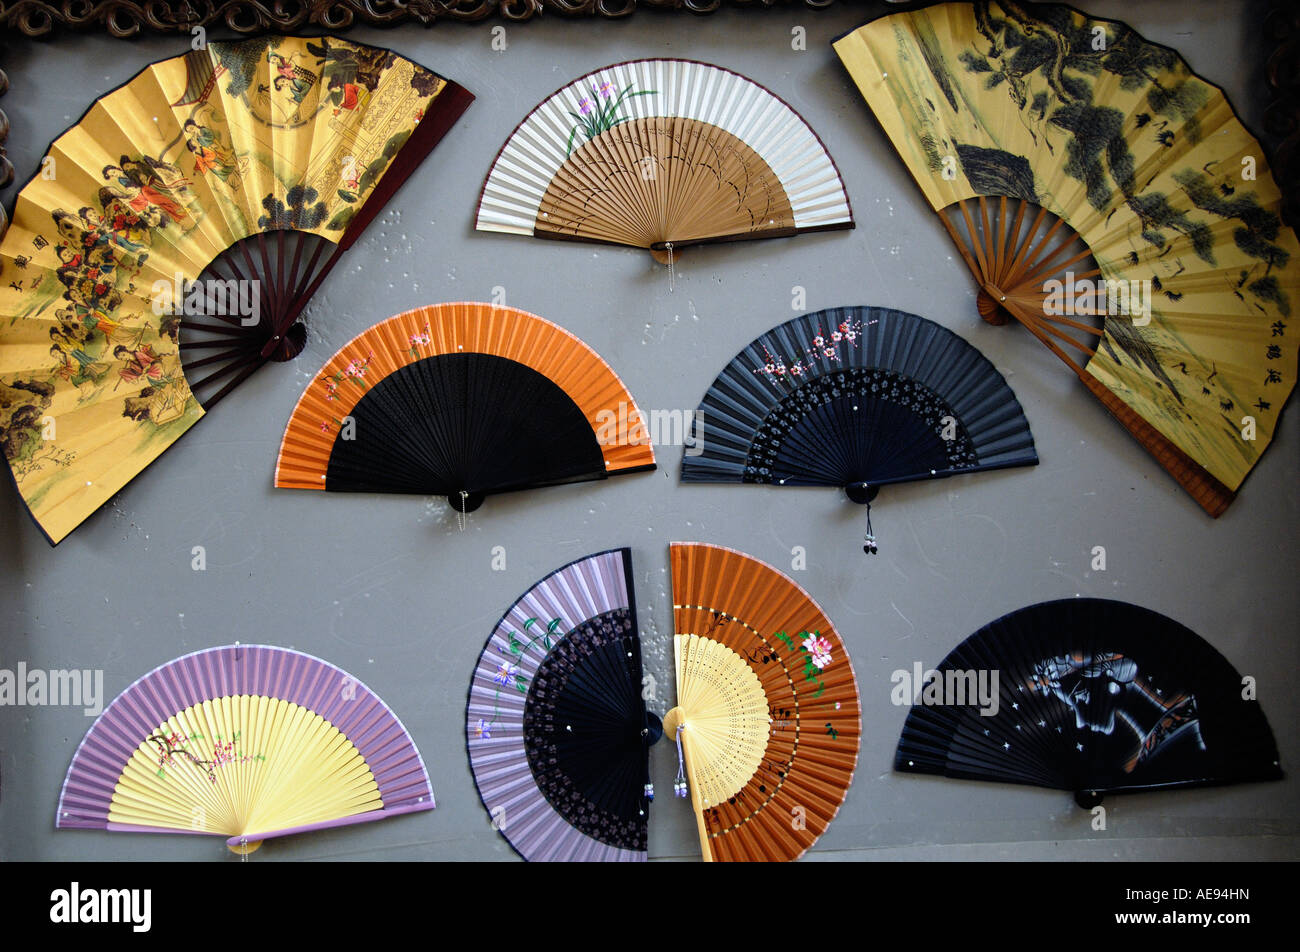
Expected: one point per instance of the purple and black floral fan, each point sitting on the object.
(558, 734)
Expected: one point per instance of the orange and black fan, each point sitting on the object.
(462, 400)
(1109, 200)
(767, 719)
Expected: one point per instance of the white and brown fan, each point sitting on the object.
(767, 720)
(660, 154)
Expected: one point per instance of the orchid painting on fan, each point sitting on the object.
(507, 674)
(600, 112)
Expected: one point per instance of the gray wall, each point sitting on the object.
(386, 588)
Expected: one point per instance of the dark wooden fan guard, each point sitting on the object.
(217, 349)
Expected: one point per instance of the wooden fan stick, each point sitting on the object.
(1000, 238)
(310, 270)
(287, 321)
(1014, 237)
(293, 269)
(1031, 323)
(1064, 337)
(241, 342)
(279, 259)
(977, 245)
(272, 294)
(995, 252)
(243, 348)
(222, 329)
(228, 369)
(1077, 325)
(1030, 241)
(234, 382)
(1045, 268)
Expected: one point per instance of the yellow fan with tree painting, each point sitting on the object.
(169, 241)
(1111, 202)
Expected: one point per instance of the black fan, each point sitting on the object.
(856, 397)
(1091, 696)
(462, 400)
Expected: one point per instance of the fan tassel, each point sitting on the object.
(460, 513)
(672, 277)
(870, 547)
(679, 784)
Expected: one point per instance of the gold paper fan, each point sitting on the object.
(1111, 202)
(767, 711)
(191, 212)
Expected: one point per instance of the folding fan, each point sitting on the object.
(248, 742)
(190, 214)
(462, 400)
(660, 154)
(557, 732)
(1091, 696)
(856, 397)
(767, 718)
(1110, 201)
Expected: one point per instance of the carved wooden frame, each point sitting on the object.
(124, 18)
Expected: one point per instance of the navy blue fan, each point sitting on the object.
(1092, 696)
(856, 397)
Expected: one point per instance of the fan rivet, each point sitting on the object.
(89, 483)
(1003, 298)
(911, 763)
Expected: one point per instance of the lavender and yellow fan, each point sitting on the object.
(248, 742)
(558, 734)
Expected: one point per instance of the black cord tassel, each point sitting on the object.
(870, 547)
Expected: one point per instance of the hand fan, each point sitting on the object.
(248, 742)
(557, 732)
(189, 215)
(856, 397)
(660, 154)
(1110, 201)
(462, 400)
(1091, 696)
(767, 718)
